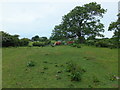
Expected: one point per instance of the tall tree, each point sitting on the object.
(9, 40)
(115, 26)
(83, 21)
(24, 42)
(35, 38)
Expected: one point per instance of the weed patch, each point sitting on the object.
(75, 71)
(30, 64)
(96, 81)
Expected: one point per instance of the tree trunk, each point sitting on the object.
(80, 38)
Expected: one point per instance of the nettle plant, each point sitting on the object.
(30, 64)
(75, 71)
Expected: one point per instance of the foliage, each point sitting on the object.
(104, 42)
(70, 66)
(78, 46)
(30, 64)
(39, 44)
(9, 40)
(41, 39)
(80, 22)
(35, 38)
(13, 40)
(101, 43)
(75, 70)
(115, 26)
(76, 76)
(75, 45)
(90, 42)
(24, 42)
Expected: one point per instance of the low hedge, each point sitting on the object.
(41, 44)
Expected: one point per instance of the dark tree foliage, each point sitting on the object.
(35, 38)
(43, 39)
(24, 42)
(13, 40)
(9, 40)
(80, 22)
(115, 26)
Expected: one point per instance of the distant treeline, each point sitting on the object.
(81, 22)
(14, 41)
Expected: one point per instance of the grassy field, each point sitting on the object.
(99, 63)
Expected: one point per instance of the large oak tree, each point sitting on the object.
(80, 22)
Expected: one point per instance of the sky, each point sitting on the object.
(30, 18)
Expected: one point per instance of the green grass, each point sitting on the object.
(100, 63)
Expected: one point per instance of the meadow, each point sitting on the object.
(49, 71)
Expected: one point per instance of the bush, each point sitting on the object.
(73, 45)
(47, 42)
(30, 64)
(112, 46)
(76, 76)
(71, 66)
(104, 42)
(39, 44)
(78, 46)
(75, 71)
(90, 42)
(9, 40)
(101, 44)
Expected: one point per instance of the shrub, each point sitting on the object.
(29, 45)
(75, 71)
(73, 44)
(71, 66)
(76, 76)
(102, 43)
(24, 42)
(90, 42)
(39, 44)
(76, 41)
(47, 42)
(30, 64)
(52, 45)
(78, 46)
(64, 43)
(112, 46)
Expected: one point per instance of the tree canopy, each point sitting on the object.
(115, 26)
(13, 40)
(80, 22)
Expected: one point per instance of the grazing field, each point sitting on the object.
(49, 69)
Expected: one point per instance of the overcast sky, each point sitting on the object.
(28, 19)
